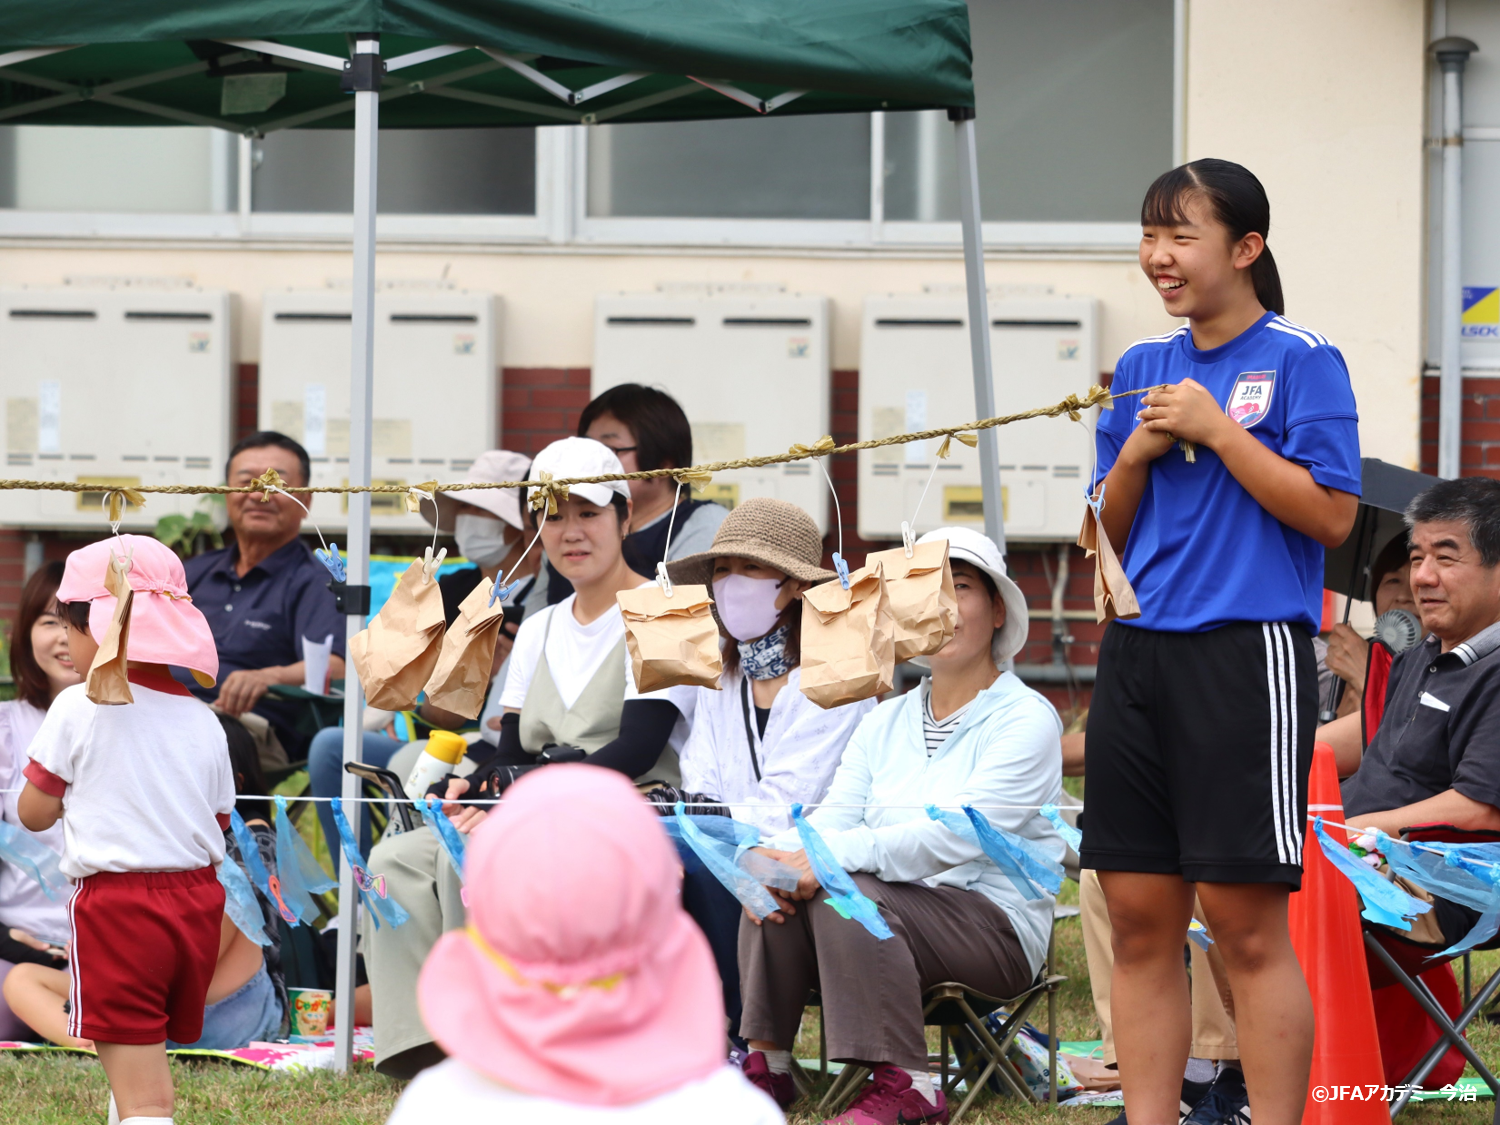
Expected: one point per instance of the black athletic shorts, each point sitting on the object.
(1198, 750)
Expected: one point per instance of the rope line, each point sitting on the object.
(1072, 406)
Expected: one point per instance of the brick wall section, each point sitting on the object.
(1479, 452)
(540, 405)
(246, 400)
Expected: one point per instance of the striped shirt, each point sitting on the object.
(936, 732)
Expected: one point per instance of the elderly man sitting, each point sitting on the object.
(1435, 757)
(264, 592)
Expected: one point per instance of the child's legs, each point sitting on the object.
(1149, 1001)
(1272, 1010)
(36, 995)
(138, 1077)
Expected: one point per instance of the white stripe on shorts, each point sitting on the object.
(1294, 823)
(73, 984)
(1273, 692)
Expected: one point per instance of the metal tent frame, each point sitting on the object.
(368, 76)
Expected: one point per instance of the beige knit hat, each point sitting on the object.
(771, 532)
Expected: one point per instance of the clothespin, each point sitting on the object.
(500, 593)
(971, 440)
(332, 560)
(843, 569)
(1097, 502)
(122, 563)
(908, 539)
(663, 580)
(431, 562)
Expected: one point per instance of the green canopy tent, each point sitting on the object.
(259, 66)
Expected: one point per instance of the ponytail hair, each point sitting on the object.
(1235, 198)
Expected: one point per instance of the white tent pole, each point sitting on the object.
(366, 82)
(979, 320)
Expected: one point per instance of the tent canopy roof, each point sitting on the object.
(510, 62)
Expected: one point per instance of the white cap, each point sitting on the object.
(489, 468)
(582, 457)
(967, 545)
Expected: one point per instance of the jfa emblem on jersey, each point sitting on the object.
(1251, 397)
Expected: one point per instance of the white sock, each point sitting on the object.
(778, 1062)
(146, 1121)
(114, 1111)
(1200, 1070)
(921, 1082)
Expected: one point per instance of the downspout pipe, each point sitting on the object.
(1452, 54)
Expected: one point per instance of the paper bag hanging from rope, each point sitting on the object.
(107, 683)
(848, 640)
(464, 665)
(673, 640)
(924, 604)
(396, 654)
(1113, 596)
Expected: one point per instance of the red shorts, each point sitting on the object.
(145, 945)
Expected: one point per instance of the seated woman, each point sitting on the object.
(970, 735)
(765, 554)
(486, 526)
(246, 999)
(580, 991)
(33, 927)
(569, 696)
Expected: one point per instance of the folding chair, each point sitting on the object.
(959, 1012)
(1403, 962)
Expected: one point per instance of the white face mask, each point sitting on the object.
(483, 540)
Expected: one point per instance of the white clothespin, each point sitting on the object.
(663, 580)
(908, 539)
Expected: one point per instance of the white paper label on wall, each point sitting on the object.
(718, 441)
(916, 419)
(315, 419)
(49, 417)
(20, 425)
(390, 437)
(286, 418)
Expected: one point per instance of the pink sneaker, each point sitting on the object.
(889, 1100)
(780, 1086)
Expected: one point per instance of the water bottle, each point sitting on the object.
(443, 752)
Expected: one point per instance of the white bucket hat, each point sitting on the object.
(581, 457)
(488, 468)
(967, 545)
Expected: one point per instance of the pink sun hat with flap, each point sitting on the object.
(581, 977)
(165, 626)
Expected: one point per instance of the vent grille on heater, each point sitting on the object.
(166, 314)
(53, 314)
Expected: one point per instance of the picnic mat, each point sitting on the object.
(314, 1054)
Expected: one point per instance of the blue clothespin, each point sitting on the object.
(843, 569)
(332, 560)
(499, 592)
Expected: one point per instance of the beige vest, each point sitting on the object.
(594, 719)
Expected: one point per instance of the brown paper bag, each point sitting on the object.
(396, 654)
(673, 641)
(924, 605)
(848, 640)
(1113, 596)
(107, 684)
(461, 679)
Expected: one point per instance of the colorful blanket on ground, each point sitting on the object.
(314, 1054)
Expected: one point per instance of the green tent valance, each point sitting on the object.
(259, 66)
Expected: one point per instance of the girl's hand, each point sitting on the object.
(1145, 445)
(1187, 412)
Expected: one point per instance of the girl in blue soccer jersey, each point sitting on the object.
(1201, 728)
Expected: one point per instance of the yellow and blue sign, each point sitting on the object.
(1481, 315)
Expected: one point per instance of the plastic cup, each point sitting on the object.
(311, 1008)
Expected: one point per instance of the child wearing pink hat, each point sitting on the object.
(144, 792)
(580, 990)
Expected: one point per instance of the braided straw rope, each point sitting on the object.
(1073, 406)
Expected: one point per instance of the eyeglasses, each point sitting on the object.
(619, 449)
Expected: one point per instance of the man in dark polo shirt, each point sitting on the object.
(1435, 758)
(265, 592)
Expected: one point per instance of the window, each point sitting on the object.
(1074, 115)
(763, 168)
(88, 168)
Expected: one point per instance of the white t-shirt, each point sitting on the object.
(452, 1091)
(23, 903)
(146, 782)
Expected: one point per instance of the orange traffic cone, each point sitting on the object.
(1347, 1084)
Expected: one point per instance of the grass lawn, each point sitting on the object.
(63, 1090)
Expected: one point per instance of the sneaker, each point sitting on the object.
(888, 1099)
(782, 1089)
(1226, 1102)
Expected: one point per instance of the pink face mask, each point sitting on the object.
(747, 606)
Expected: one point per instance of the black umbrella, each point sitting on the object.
(1385, 490)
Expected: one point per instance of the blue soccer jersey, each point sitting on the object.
(1202, 552)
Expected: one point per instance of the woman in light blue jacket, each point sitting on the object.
(970, 735)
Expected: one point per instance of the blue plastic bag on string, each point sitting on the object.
(1029, 874)
(240, 902)
(1039, 867)
(1384, 903)
(960, 826)
(448, 836)
(371, 887)
(268, 884)
(296, 870)
(746, 882)
(35, 858)
(1071, 836)
(844, 896)
(1441, 869)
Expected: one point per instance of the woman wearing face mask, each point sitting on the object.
(758, 744)
(486, 523)
(569, 696)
